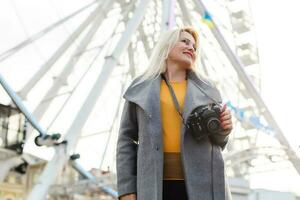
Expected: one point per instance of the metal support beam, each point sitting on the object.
(42, 33)
(111, 130)
(18, 102)
(143, 37)
(185, 14)
(63, 76)
(238, 66)
(56, 164)
(59, 52)
(167, 18)
(91, 177)
(165, 15)
(172, 20)
(132, 70)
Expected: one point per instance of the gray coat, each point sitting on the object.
(140, 145)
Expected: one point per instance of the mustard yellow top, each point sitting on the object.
(171, 128)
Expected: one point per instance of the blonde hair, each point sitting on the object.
(157, 61)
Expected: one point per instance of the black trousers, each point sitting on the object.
(174, 190)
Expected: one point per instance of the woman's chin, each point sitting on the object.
(187, 64)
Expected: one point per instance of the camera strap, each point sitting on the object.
(175, 101)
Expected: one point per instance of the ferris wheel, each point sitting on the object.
(75, 91)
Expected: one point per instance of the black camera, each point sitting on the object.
(204, 121)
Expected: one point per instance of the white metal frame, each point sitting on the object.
(56, 164)
(238, 66)
(95, 20)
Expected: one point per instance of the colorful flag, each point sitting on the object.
(207, 20)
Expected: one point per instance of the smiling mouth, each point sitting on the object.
(189, 54)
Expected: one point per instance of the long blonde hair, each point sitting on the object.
(157, 61)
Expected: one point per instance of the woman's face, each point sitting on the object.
(184, 51)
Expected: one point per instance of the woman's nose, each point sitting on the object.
(191, 48)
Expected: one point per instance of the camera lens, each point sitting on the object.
(213, 125)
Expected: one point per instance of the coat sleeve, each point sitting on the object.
(126, 155)
(219, 139)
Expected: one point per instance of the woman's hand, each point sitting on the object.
(226, 122)
(128, 197)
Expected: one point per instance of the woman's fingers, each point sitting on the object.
(227, 126)
(225, 112)
(226, 115)
(225, 118)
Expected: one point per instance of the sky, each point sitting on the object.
(277, 34)
(278, 42)
(277, 30)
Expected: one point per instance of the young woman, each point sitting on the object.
(157, 156)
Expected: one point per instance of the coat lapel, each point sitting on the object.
(147, 95)
(195, 97)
